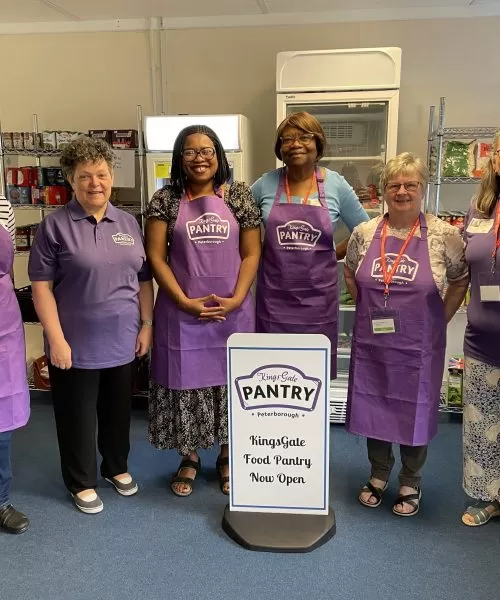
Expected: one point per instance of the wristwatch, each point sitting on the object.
(146, 323)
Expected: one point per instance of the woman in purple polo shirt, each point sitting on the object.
(14, 394)
(481, 418)
(93, 294)
(203, 243)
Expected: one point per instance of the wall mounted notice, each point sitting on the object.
(124, 168)
(279, 422)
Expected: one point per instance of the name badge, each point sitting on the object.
(480, 226)
(384, 321)
(489, 287)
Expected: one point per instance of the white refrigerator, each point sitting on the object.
(354, 93)
(159, 137)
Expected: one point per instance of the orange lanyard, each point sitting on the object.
(306, 197)
(389, 274)
(496, 230)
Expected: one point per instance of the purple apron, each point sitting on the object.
(395, 378)
(14, 393)
(205, 258)
(297, 280)
(482, 333)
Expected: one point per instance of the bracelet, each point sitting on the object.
(146, 323)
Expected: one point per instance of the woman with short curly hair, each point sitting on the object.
(93, 294)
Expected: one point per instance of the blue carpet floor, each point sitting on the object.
(156, 546)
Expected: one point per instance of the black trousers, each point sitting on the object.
(84, 398)
(382, 460)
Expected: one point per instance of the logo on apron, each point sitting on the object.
(405, 273)
(280, 386)
(123, 239)
(298, 233)
(208, 228)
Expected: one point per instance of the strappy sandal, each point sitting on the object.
(412, 499)
(480, 515)
(375, 492)
(186, 463)
(222, 461)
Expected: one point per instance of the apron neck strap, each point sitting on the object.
(320, 179)
(423, 227)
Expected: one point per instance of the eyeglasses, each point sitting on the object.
(303, 138)
(409, 186)
(189, 154)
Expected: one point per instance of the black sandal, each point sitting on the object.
(377, 493)
(222, 461)
(412, 499)
(186, 463)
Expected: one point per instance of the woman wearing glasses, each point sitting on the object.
(481, 418)
(397, 267)
(203, 243)
(301, 205)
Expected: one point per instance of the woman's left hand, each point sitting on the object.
(226, 305)
(144, 341)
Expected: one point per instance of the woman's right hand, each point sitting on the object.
(195, 306)
(60, 354)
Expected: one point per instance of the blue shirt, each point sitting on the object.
(341, 200)
(95, 269)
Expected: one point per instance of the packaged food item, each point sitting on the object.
(482, 155)
(124, 139)
(29, 140)
(17, 194)
(7, 141)
(101, 134)
(17, 140)
(23, 237)
(458, 159)
(49, 140)
(37, 195)
(50, 176)
(55, 194)
(455, 381)
(63, 138)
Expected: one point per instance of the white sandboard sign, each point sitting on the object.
(279, 423)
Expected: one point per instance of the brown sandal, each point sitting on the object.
(222, 461)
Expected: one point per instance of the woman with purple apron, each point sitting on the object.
(297, 283)
(203, 243)
(14, 394)
(481, 415)
(396, 268)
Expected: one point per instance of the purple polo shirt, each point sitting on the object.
(482, 333)
(96, 269)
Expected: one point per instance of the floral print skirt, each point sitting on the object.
(187, 419)
(481, 430)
